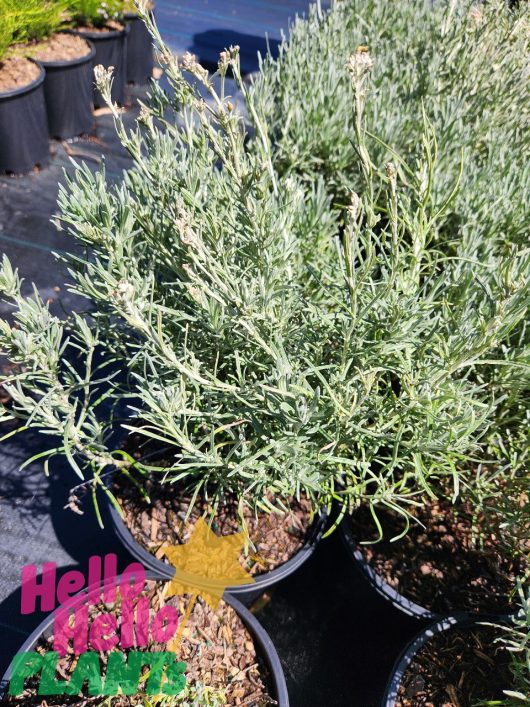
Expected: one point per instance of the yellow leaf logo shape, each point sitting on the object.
(205, 566)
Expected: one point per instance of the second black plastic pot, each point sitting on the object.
(263, 643)
(68, 93)
(378, 583)
(110, 50)
(24, 128)
(140, 56)
(401, 602)
(246, 593)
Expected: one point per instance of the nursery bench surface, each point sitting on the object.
(203, 27)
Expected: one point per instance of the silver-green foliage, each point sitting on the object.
(269, 352)
(466, 64)
(515, 638)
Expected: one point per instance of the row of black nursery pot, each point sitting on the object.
(455, 627)
(456, 638)
(461, 632)
(59, 102)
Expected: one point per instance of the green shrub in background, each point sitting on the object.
(6, 28)
(95, 13)
(465, 64)
(35, 19)
(28, 20)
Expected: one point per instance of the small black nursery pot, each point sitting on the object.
(262, 642)
(140, 56)
(434, 570)
(23, 127)
(68, 93)
(411, 653)
(110, 50)
(378, 583)
(245, 593)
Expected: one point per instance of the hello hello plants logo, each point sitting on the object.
(204, 567)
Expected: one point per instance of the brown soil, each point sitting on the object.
(16, 72)
(218, 650)
(457, 668)
(439, 566)
(275, 538)
(61, 47)
(110, 26)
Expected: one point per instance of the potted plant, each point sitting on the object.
(253, 473)
(217, 292)
(23, 128)
(451, 550)
(465, 661)
(467, 241)
(102, 23)
(140, 58)
(67, 60)
(236, 662)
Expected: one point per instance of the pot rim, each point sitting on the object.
(102, 36)
(260, 583)
(410, 651)
(258, 633)
(67, 63)
(381, 586)
(6, 95)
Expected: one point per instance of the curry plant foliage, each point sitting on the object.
(269, 343)
(515, 638)
(464, 63)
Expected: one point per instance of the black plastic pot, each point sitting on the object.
(68, 93)
(417, 643)
(408, 606)
(378, 583)
(111, 50)
(246, 593)
(140, 55)
(24, 128)
(262, 641)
